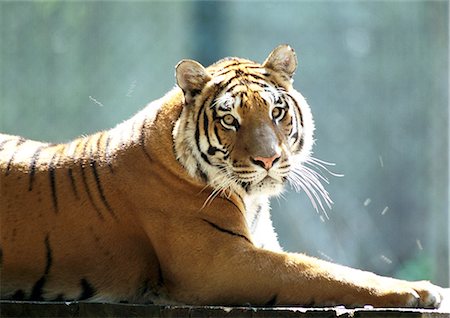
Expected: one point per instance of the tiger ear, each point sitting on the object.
(191, 77)
(282, 60)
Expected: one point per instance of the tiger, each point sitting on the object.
(172, 205)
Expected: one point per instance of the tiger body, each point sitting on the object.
(171, 206)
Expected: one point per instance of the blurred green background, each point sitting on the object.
(376, 74)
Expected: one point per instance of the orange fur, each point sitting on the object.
(124, 215)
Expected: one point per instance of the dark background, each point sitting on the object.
(375, 73)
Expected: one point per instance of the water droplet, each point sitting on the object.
(95, 101)
(386, 259)
(419, 244)
(325, 256)
(381, 161)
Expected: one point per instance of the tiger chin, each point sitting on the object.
(172, 205)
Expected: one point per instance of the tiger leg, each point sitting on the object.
(227, 269)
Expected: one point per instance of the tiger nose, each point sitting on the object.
(265, 162)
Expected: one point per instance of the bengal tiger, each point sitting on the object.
(172, 205)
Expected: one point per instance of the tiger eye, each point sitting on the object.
(278, 113)
(228, 120)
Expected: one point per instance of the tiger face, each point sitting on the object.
(244, 128)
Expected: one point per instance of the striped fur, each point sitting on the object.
(171, 206)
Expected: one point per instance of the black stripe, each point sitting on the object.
(202, 174)
(52, 176)
(230, 88)
(246, 186)
(107, 154)
(215, 116)
(146, 286)
(225, 69)
(257, 77)
(240, 198)
(240, 71)
(93, 166)
(197, 131)
(224, 89)
(197, 142)
(36, 292)
(97, 177)
(32, 167)
(87, 290)
(48, 255)
(206, 126)
(205, 158)
(74, 156)
(72, 183)
(160, 276)
(2, 144)
(18, 295)
(70, 172)
(216, 133)
(252, 66)
(291, 127)
(272, 302)
(86, 186)
(142, 140)
(88, 192)
(226, 230)
(302, 142)
(221, 86)
(11, 160)
(297, 108)
(211, 149)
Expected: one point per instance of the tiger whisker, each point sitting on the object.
(309, 180)
(298, 185)
(322, 165)
(221, 183)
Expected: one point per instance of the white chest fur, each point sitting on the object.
(260, 223)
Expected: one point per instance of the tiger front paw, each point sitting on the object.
(429, 295)
(420, 294)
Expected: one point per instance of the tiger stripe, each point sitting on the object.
(92, 164)
(87, 290)
(296, 109)
(70, 171)
(198, 130)
(72, 183)
(224, 230)
(107, 154)
(32, 167)
(211, 149)
(20, 141)
(85, 183)
(4, 142)
(52, 177)
(142, 140)
(37, 289)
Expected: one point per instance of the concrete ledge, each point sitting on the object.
(86, 309)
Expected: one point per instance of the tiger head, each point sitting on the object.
(244, 128)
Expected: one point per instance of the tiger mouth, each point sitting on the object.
(266, 183)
